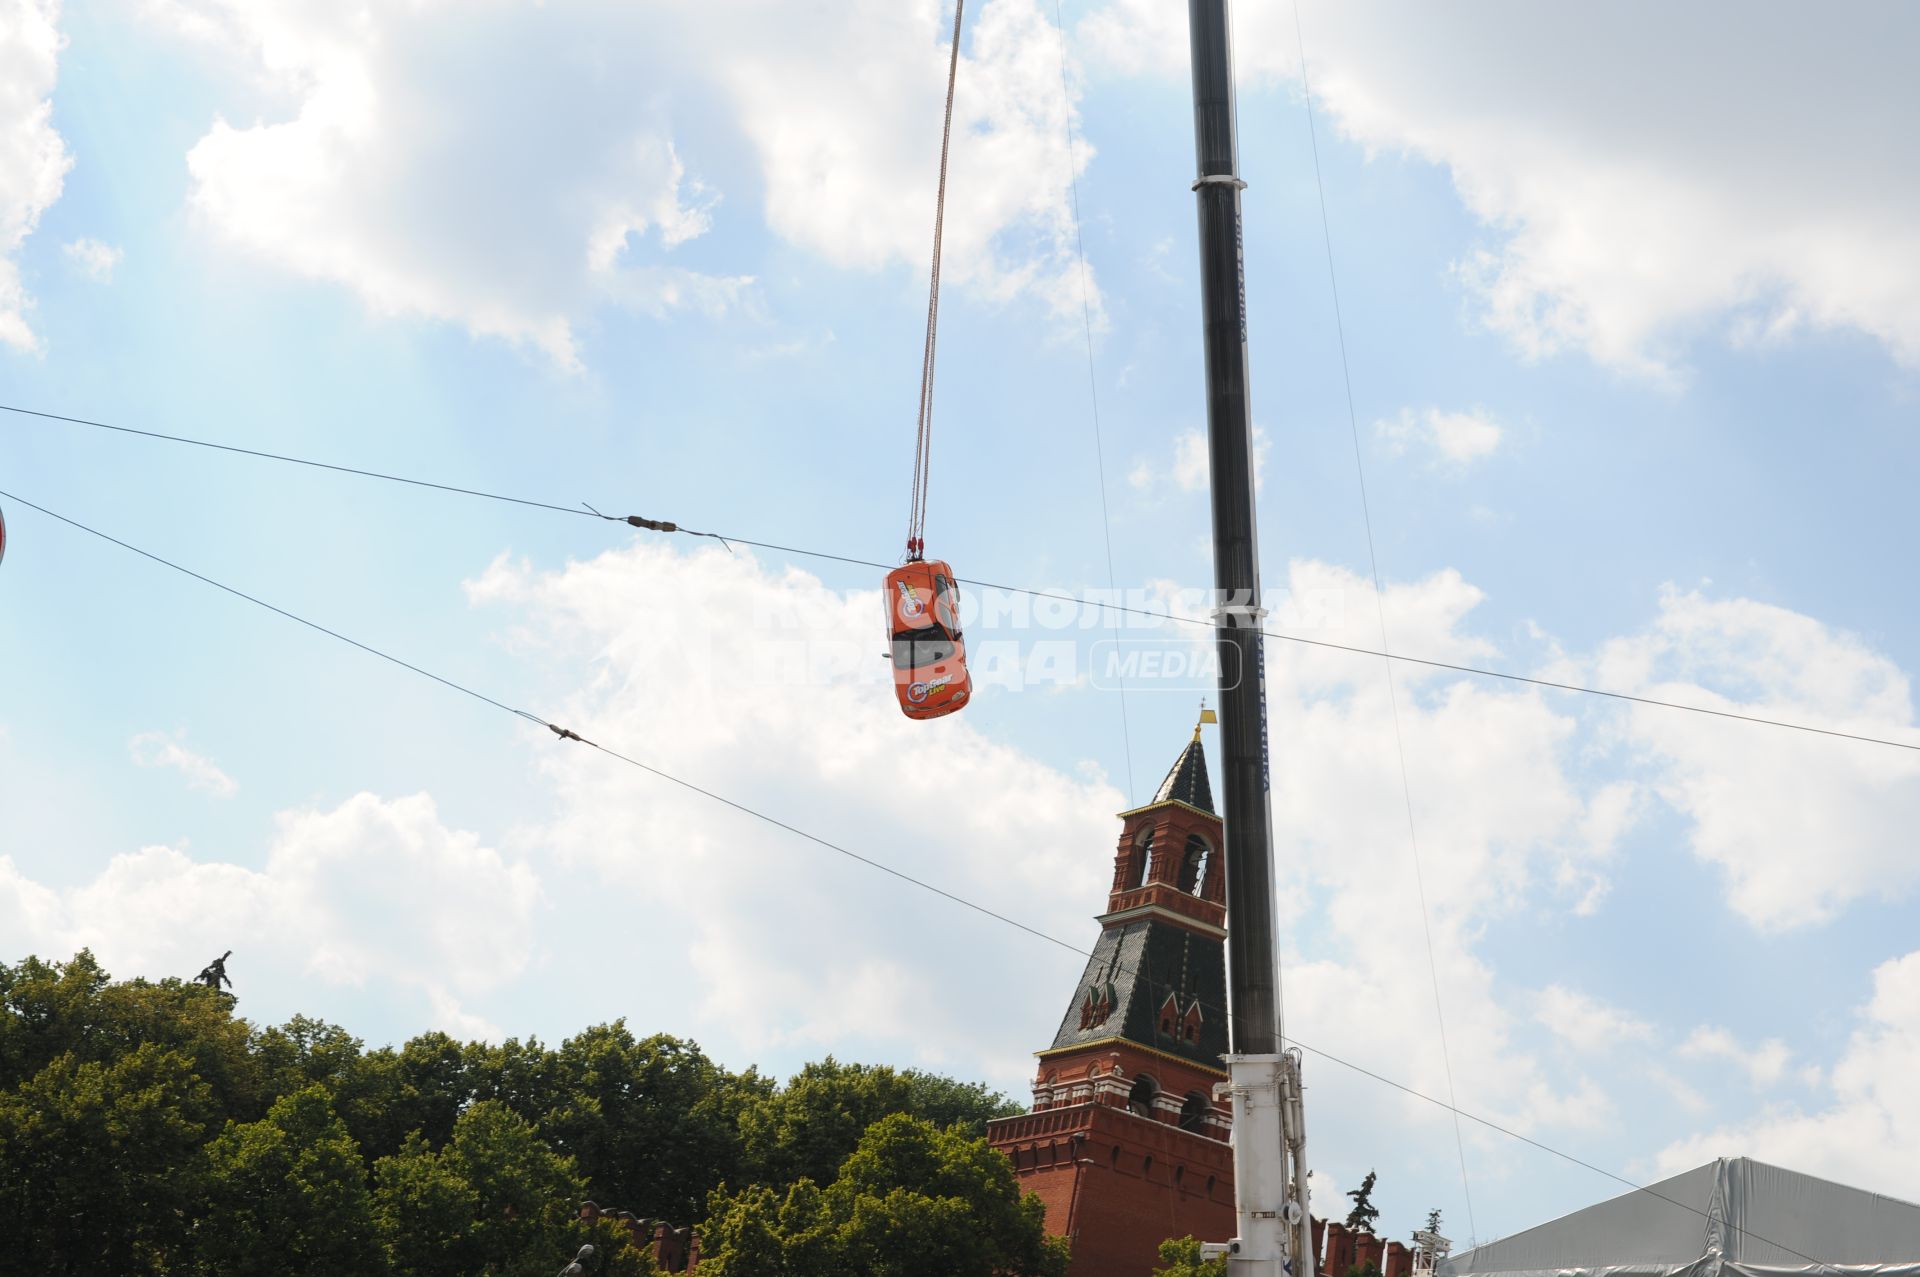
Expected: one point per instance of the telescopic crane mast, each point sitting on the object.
(1269, 1124)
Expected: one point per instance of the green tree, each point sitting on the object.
(807, 1129)
(1182, 1259)
(910, 1199)
(288, 1194)
(385, 1095)
(102, 1163)
(370, 1090)
(305, 1051)
(144, 1128)
(434, 1082)
(526, 1190)
(614, 1254)
(48, 1010)
(653, 1123)
(524, 1076)
(425, 1212)
(1360, 1218)
(1433, 1220)
(496, 1200)
(744, 1234)
(45, 1008)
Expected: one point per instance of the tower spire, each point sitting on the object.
(1128, 1083)
(1187, 781)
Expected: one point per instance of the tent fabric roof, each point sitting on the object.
(1734, 1214)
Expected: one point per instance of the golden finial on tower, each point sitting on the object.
(1206, 716)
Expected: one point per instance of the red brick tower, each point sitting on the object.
(1125, 1142)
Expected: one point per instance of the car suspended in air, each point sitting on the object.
(923, 600)
(3, 536)
(928, 652)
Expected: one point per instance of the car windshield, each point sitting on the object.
(916, 649)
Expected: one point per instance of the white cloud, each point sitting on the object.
(29, 913)
(771, 691)
(1637, 184)
(776, 696)
(856, 184)
(33, 158)
(1457, 439)
(1346, 862)
(1682, 1093)
(1585, 1023)
(1190, 470)
(506, 188)
(1866, 1135)
(538, 174)
(1765, 1065)
(157, 749)
(93, 259)
(1799, 825)
(445, 910)
(371, 890)
(1757, 796)
(1190, 461)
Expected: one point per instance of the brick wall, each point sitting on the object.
(673, 1250)
(1340, 1249)
(1117, 1184)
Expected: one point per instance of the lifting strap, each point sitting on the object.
(923, 437)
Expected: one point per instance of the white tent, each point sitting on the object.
(1735, 1217)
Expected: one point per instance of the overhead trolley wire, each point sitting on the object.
(278, 611)
(1581, 1162)
(291, 460)
(567, 734)
(1380, 610)
(559, 731)
(1051, 595)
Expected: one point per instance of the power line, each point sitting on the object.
(1380, 610)
(569, 735)
(1581, 1162)
(296, 461)
(279, 611)
(561, 732)
(1054, 596)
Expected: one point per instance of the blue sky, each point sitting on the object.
(1633, 346)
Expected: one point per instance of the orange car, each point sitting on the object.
(923, 622)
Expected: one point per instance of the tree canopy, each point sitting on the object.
(910, 1199)
(145, 1128)
(1181, 1255)
(807, 1129)
(1364, 1212)
(290, 1194)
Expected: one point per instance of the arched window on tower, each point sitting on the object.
(1193, 865)
(1140, 1099)
(1193, 1113)
(1142, 861)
